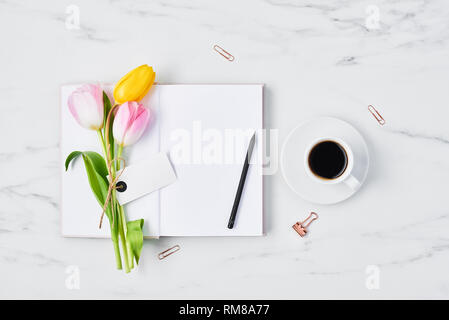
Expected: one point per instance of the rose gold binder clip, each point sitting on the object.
(224, 53)
(169, 251)
(301, 227)
(376, 115)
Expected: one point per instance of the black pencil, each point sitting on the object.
(241, 182)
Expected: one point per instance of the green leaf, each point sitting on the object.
(97, 183)
(134, 235)
(71, 156)
(98, 163)
(97, 175)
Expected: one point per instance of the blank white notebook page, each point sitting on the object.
(198, 126)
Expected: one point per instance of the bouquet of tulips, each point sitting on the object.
(118, 126)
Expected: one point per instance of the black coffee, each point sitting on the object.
(328, 159)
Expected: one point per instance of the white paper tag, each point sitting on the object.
(144, 177)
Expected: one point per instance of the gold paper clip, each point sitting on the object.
(224, 53)
(169, 251)
(376, 115)
(301, 227)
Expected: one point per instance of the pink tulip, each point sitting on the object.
(86, 106)
(130, 122)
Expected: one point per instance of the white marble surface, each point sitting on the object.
(316, 58)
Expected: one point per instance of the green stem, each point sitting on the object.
(128, 244)
(123, 217)
(114, 231)
(118, 258)
(124, 245)
(103, 145)
(119, 154)
(121, 226)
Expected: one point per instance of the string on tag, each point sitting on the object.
(109, 163)
(112, 185)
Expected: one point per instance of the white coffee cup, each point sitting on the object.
(345, 177)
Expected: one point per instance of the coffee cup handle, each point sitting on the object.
(352, 182)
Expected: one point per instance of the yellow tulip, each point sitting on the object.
(134, 85)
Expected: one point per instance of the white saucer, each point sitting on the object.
(292, 159)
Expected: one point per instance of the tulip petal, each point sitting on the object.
(134, 85)
(130, 122)
(120, 124)
(137, 128)
(149, 83)
(86, 106)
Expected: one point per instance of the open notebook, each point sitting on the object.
(205, 130)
